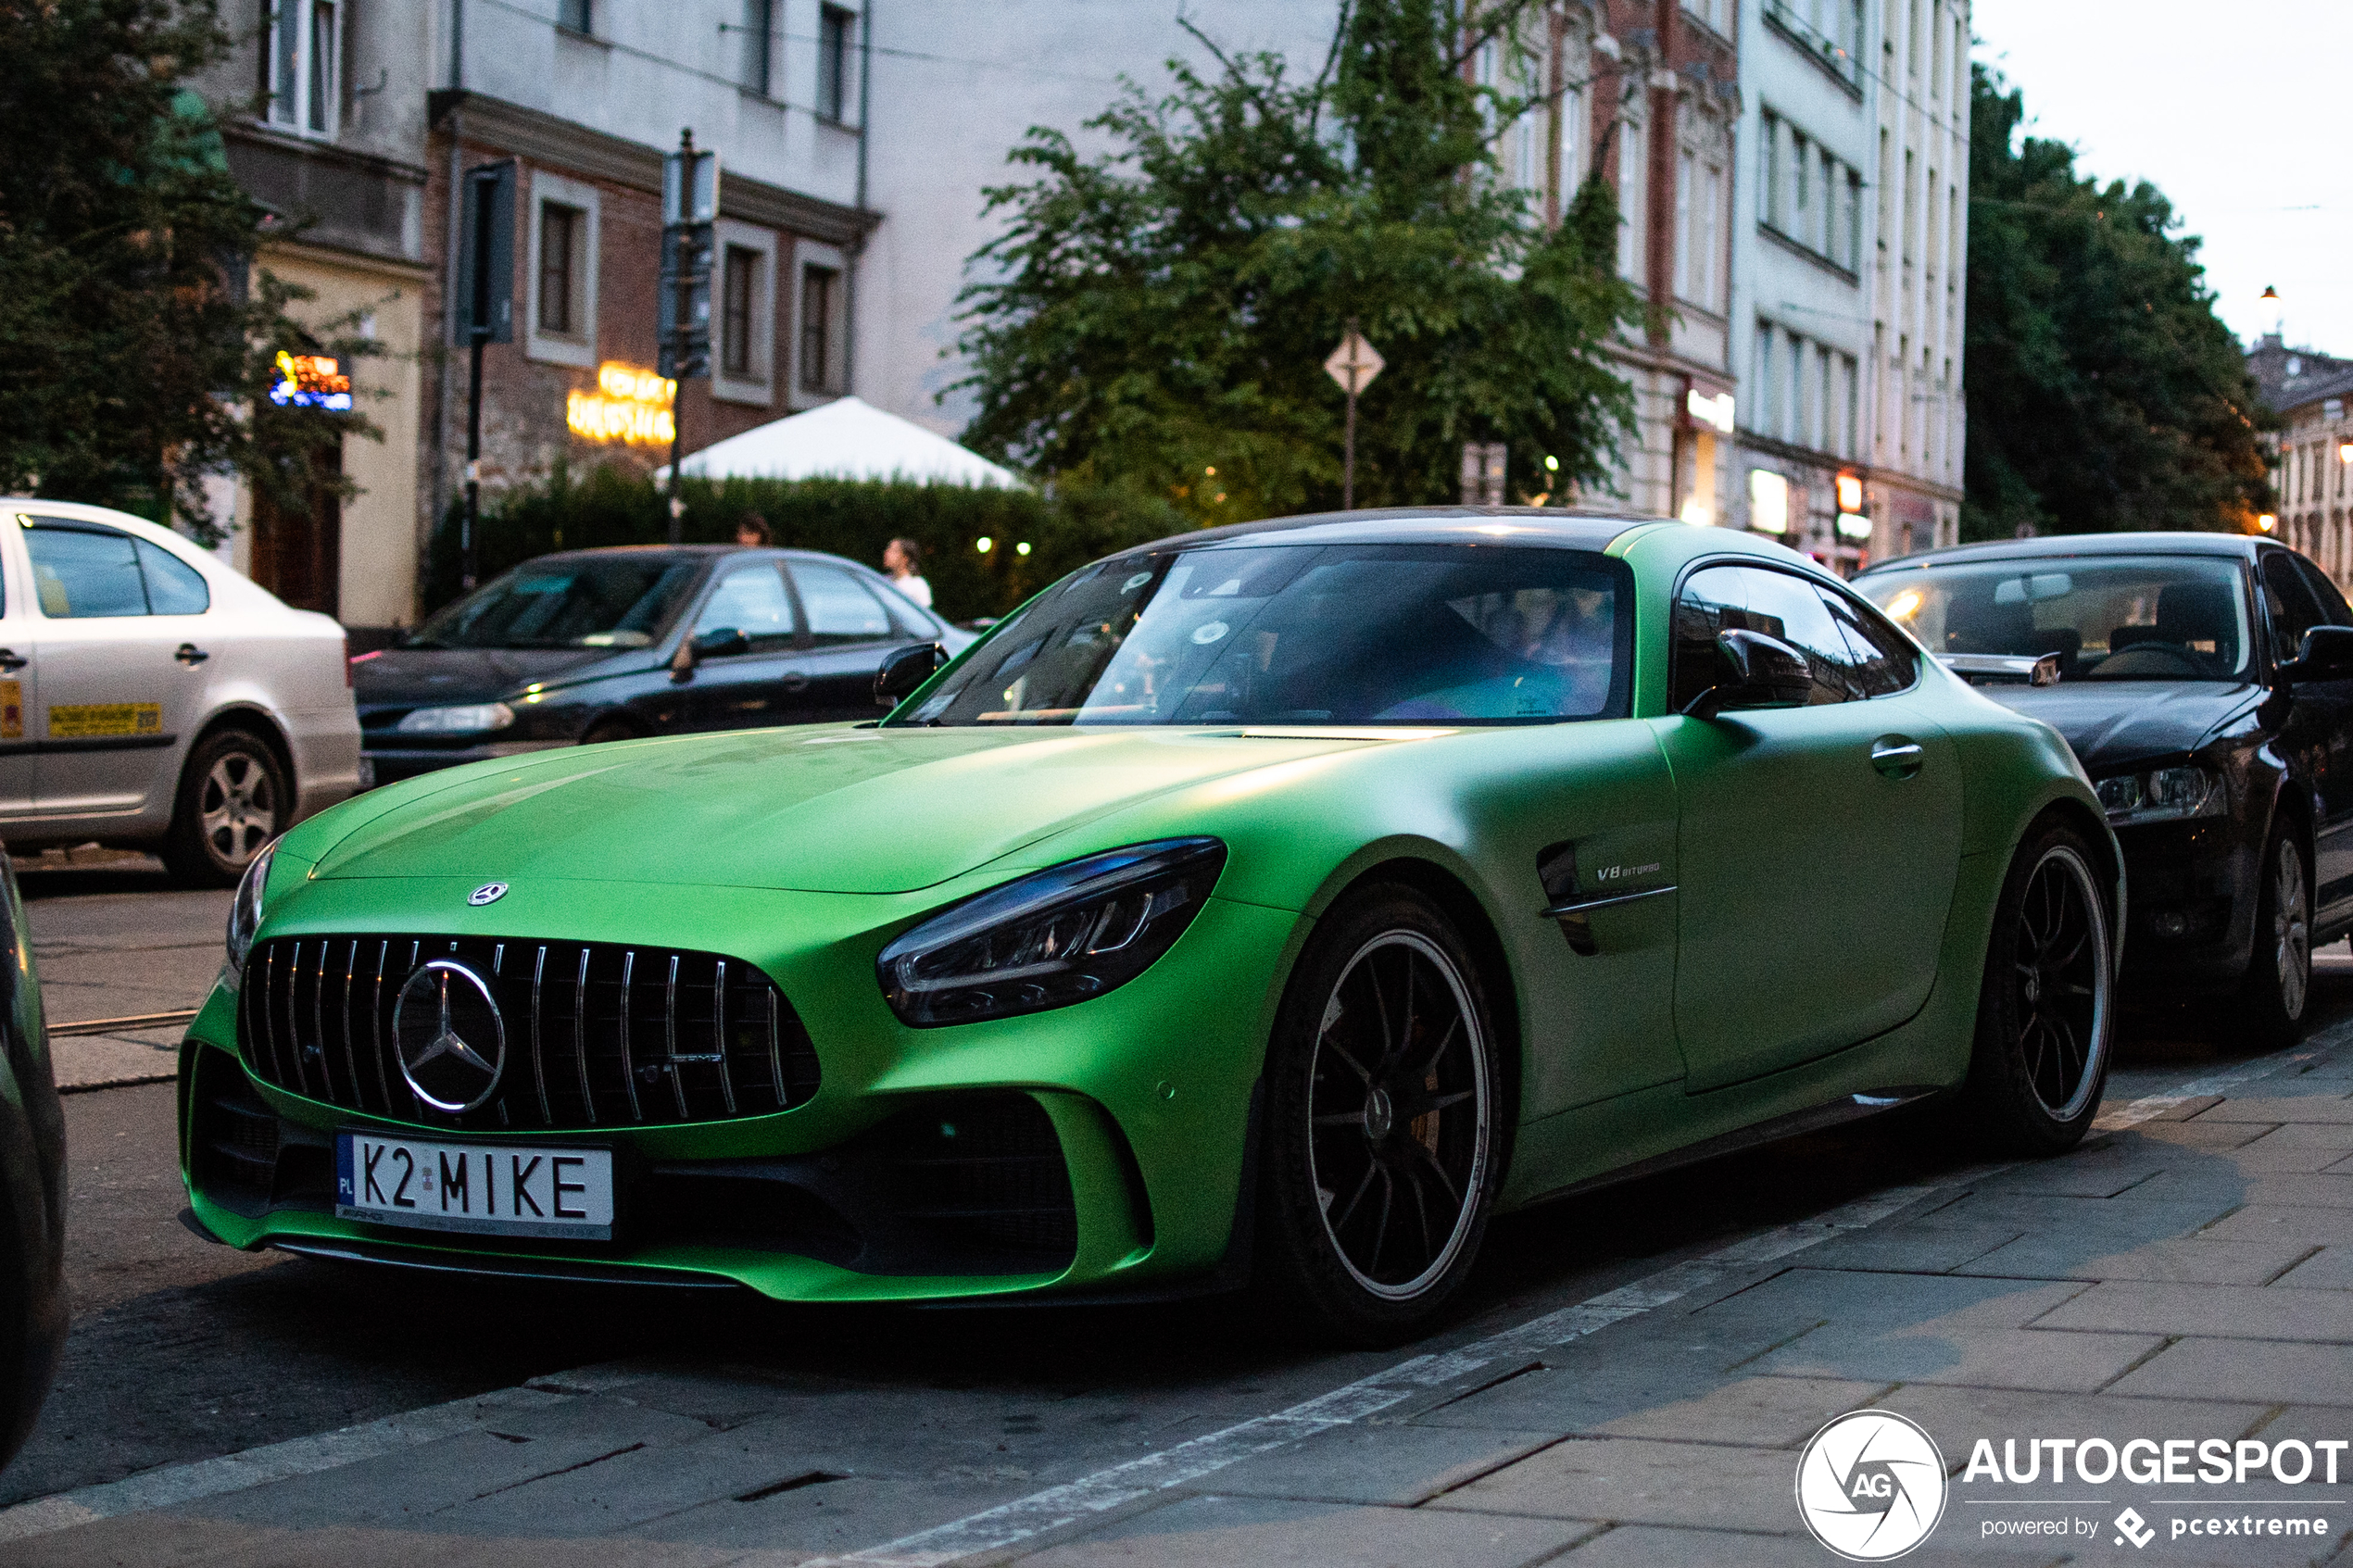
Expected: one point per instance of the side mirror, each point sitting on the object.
(905, 669)
(1765, 672)
(719, 643)
(2327, 654)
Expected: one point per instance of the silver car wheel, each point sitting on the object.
(237, 808)
(2291, 930)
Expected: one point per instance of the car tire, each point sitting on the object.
(2046, 1014)
(234, 798)
(1382, 1129)
(2274, 998)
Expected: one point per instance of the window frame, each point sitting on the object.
(576, 348)
(577, 17)
(1828, 590)
(30, 524)
(808, 257)
(759, 48)
(756, 386)
(836, 28)
(315, 86)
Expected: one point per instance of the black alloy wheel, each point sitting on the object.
(1381, 1120)
(2279, 970)
(234, 798)
(2046, 1014)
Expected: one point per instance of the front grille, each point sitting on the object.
(597, 1034)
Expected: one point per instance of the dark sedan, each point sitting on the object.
(33, 1186)
(2206, 683)
(605, 645)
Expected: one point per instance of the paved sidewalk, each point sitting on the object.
(135, 949)
(2185, 1277)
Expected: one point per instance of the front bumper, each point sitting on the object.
(1097, 1146)
(2193, 888)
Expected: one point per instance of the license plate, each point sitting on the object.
(496, 1189)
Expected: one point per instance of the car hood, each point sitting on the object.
(435, 677)
(2112, 722)
(828, 810)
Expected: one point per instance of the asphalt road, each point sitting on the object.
(183, 1349)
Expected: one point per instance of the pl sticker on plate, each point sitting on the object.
(105, 721)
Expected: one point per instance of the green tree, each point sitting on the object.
(1157, 316)
(2104, 394)
(132, 361)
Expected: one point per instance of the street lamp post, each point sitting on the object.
(1353, 364)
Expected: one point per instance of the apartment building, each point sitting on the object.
(2312, 451)
(1852, 274)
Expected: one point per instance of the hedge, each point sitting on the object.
(1063, 530)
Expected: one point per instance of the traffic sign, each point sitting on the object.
(1355, 363)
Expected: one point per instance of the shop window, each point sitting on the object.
(302, 65)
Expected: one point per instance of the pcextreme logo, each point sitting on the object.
(1870, 1485)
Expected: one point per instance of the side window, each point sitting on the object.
(841, 610)
(80, 572)
(2293, 609)
(2333, 608)
(173, 586)
(751, 599)
(1733, 598)
(1881, 662)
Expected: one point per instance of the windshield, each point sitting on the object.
(2132, 618)
(595, 602)
(1307, 635)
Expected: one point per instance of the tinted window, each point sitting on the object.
(80, 572)
(1747, 598)
(619, 601)
(2293, 609)
(2109, 618)
(839, 606)
(2333, 608)
(173, 586)
(751, 600)
(1882, 662)
(1307, 635)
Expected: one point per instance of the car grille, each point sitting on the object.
(597, 1034)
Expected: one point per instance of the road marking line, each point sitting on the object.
(1012, 1523)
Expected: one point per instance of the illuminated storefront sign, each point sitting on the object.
(628, 404)
(312, 381)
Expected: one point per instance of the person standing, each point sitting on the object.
(751, 531)
(902, 560)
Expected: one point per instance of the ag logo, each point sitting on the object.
(1870, 1485)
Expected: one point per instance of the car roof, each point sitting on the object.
(690, 553)
(2240, 546)
(1584, 529)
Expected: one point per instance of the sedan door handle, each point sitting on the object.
(191, 655)
(795, 681)
(1897, 757)
(11, 660)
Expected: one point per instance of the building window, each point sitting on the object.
(1632, 161)
(574, 16)
(759, 33)
(1760, 375)
(1686, 191)
(1572, 144)
(561, 271)
(833, 63)
(305, 52)
(819, 354)
(738, 281)
(559, 230)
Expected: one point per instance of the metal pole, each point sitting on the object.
(466, 539)
(1347, 461)
(683, 304)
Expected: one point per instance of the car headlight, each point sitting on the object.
(2163, 794)
(245, 913)
(1054, 938)
(465, 719)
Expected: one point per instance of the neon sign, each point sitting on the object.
(628, 404)
(312, 381)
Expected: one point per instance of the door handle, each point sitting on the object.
(1897, 757)
(795, 681)
(11, 660)
(191, 655)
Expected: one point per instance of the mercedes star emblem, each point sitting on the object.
(451, 1041)
(488, 893)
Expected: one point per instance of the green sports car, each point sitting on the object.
(1266, 906)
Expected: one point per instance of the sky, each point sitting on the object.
(2234, 111)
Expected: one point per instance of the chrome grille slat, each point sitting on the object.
(294, 1039)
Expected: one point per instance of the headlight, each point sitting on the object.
(245, 913)
(465, 719)
(2165, 795)
(1051, 938)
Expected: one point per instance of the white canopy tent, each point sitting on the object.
(846, 438)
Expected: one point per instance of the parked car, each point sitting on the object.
(33, 1188)
(592, 646)
(152, 698)
(1269, 903)
(2206, 683)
